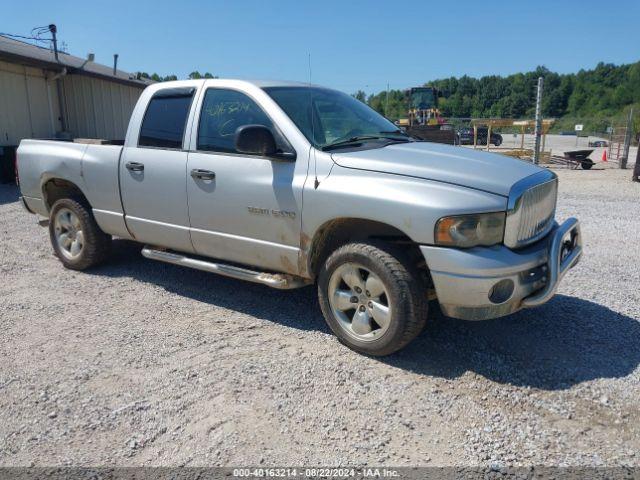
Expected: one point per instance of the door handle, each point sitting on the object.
(203, 174)
(135, 166)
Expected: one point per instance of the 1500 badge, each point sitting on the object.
(275, 213)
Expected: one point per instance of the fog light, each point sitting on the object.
(501, 291)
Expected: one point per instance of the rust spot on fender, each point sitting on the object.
(287, 265)
(303, 255)
(305, 241)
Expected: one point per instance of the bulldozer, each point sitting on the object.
(424, 120)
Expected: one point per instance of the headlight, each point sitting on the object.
(470, 230)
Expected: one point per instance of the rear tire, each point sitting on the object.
(76, 237)
(378, 309)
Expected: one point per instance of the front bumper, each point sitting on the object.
(466, 280)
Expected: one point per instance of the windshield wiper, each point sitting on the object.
(360, 138)
(397, 132)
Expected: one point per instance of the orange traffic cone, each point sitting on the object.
(604, 155)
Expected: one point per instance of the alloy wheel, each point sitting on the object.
(359, 301)
(68, 233)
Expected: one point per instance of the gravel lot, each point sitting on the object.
(144, 363)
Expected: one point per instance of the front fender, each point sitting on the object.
(410, 205)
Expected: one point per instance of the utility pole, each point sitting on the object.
(54, 30)
(386, 102)
(627, 140)
(538, 131)
(636, 169)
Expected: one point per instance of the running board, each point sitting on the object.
(281, 281)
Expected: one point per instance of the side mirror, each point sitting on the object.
(259, 140)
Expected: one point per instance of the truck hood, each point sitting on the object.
(443, 163)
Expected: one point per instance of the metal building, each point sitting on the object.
(42, 96)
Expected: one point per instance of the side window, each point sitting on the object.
(223, 111)
(165, 119)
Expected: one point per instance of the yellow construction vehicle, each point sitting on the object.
(424, 120)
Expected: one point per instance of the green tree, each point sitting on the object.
(360, 95)
(197, 75)
(600, 94)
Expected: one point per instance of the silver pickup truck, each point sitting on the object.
(289, 184)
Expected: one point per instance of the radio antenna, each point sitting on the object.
(313, 131)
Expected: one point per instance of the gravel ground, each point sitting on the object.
(144, 363)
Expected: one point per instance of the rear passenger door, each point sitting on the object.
(153, 172)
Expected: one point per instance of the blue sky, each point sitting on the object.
(354, 44)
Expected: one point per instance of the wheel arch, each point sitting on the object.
(339, 231)
(55, 188)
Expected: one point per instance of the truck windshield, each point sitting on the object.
(330, 118)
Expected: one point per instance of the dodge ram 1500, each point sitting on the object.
(288, 185)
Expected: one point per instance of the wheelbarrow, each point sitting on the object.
(575, 159)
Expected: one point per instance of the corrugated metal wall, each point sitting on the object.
(98, 108)
(28, 104)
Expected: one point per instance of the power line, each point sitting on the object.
(36, 34)
(13, 35)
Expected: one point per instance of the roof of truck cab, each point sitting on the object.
(280, 83)
(229, 81)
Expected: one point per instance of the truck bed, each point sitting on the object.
(93, 167)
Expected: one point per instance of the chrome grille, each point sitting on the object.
(532, 206)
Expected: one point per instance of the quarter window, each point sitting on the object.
(165, 119)
(223, 111)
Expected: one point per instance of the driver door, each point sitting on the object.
(242, 208)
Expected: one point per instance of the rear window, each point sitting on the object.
(166, 118)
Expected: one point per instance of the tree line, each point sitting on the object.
(597, 95)
(159, 78)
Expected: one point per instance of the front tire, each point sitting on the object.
(76, 237)
(372, 298)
